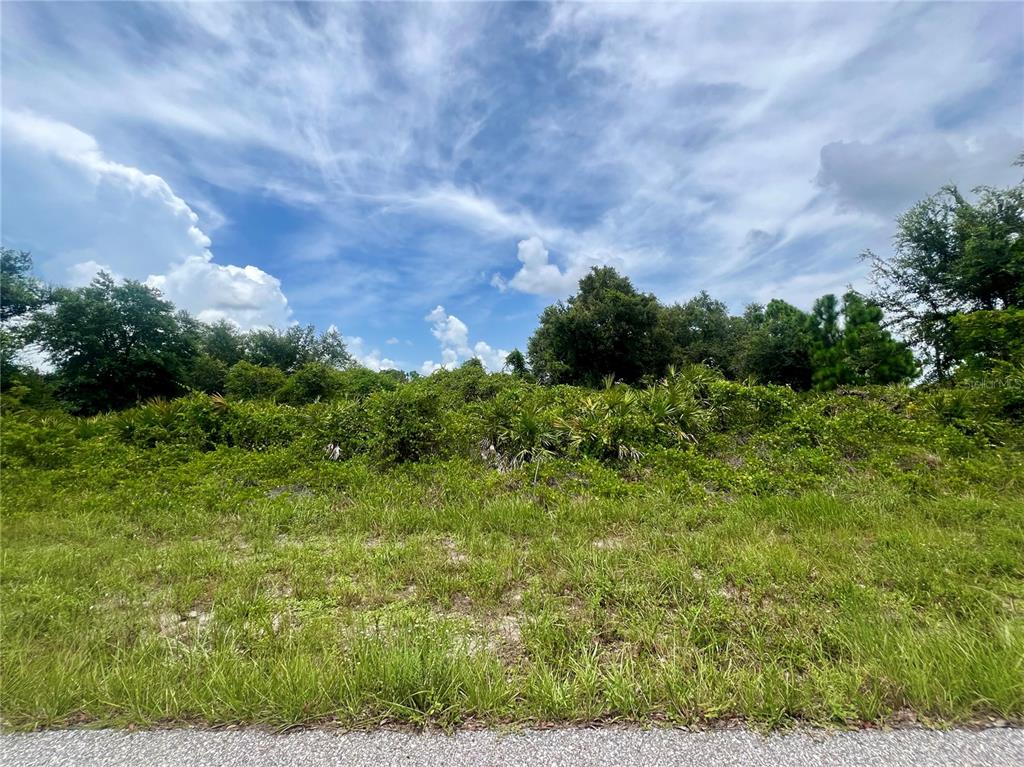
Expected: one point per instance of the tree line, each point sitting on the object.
(952, 289)
(610, 328)
(112, 345)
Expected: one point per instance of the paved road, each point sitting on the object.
(608, 747)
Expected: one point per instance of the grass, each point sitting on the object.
(164, 585)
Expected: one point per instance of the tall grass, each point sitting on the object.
(692, 551)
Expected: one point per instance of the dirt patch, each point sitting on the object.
(455, 556)
(729, 591)
(280, 590)
(287, 490)
(177, 625)
(498, 634)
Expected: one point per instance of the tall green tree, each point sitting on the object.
(606, 328)
(20, 292)
(113, 345)
(850, 346)
(515, 364)
(951, 256)
(290, 349)
(702, 332)
(20, 295)
(987, 338)
(223, 341)
(778, 345)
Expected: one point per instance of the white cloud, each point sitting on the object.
(392, 341)
(369, 358)
(713, 120)
(117, 218)
(537, 275)
(247, 296)
(82, 273)
(801, 290)
(493, 359)
(448, 329)
(455, 346)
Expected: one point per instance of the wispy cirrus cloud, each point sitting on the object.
(378, 160)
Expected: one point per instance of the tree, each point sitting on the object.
(850, 346)
(311, 382)
(703, 333)
(330, 349)
(778, 346)
(515, 363)
(358, 382)
(951, 256)
(207, 374)
(986, 338)
(607, 328)
(294, 347)
(223, 342)
(20, 295)
(248, 381)
(113, 345)
(20, 292)
(871, 354)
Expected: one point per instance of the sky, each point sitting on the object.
(428, 177)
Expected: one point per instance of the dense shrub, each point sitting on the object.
(261, 425)
(514, 422)
(248, 381)
(196, 421)
(403, 424)
(359, 382)
(312, 382)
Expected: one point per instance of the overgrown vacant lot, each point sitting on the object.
(860, 558)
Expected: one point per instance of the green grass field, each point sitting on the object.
(165, 585)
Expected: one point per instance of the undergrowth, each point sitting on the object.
(689, 552)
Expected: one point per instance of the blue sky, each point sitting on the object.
(428, 177)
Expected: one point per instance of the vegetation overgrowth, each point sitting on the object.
(690, 551)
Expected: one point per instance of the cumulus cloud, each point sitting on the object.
(83, 213)
(368, 358)
(448, 329)
(453, 334)
(82, 273)
(537, 274)
(247, 296)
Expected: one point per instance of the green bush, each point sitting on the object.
(404, 425)
(312, 382)
(341, 422)
(246, 381)
(45, 441)
(195, 421)
(261, 425)
(458, 413)
(360, 383)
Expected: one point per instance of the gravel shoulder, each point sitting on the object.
(611, 747)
